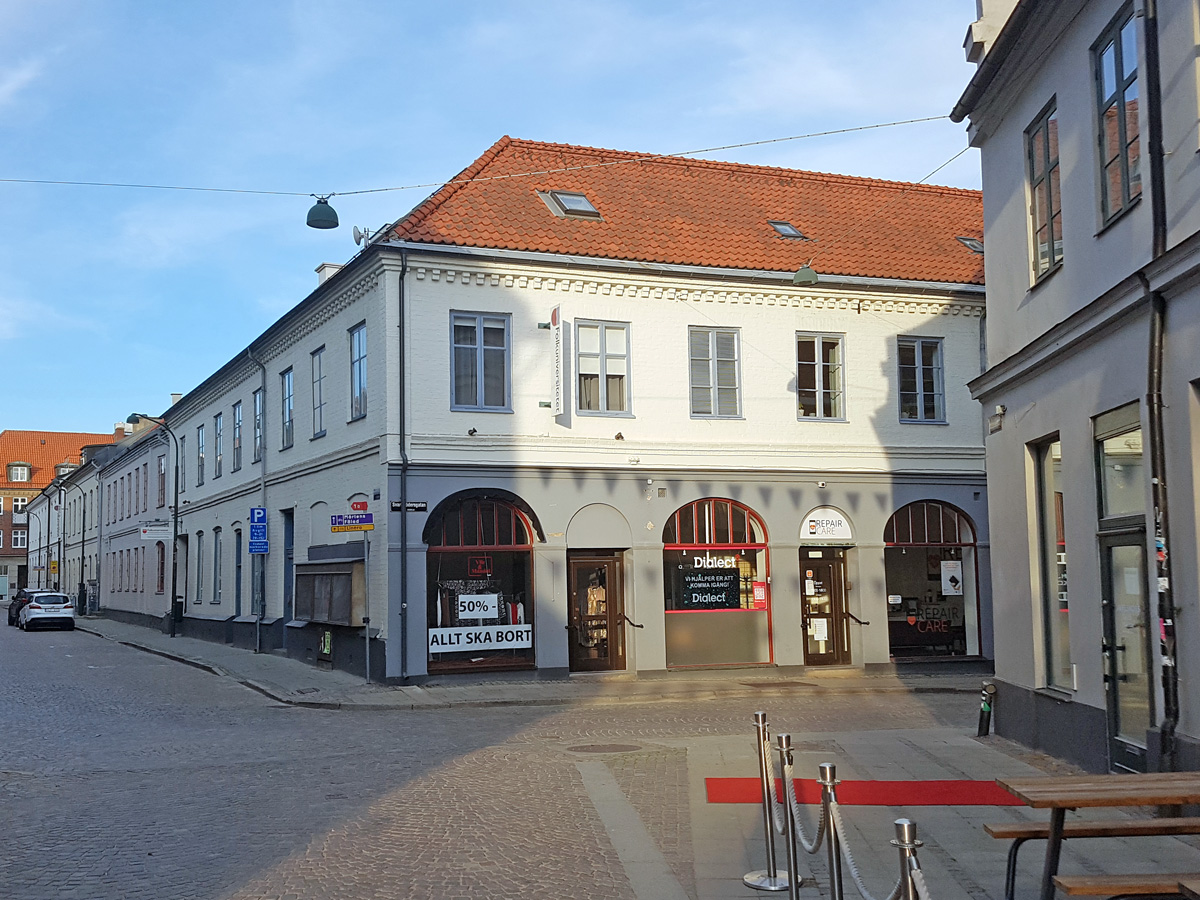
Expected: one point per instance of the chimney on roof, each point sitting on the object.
(120, 429)
(175, 398)
(325, 271)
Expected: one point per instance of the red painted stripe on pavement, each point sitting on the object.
(870, 793)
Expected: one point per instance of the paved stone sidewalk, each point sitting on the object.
(300, 684)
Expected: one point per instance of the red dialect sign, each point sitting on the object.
(478, 566)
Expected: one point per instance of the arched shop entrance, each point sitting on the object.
(480, 586)
(715, 572)
(932, 577)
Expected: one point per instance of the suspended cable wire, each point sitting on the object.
(438, 184)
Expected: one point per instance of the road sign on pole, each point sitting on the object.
(258, 515)
(259, 546)
(352, 522)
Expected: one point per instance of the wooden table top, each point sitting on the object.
(1190, 889)
(1080, 791)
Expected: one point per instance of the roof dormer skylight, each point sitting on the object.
(788, 230)
(570, 204)
(975, 245)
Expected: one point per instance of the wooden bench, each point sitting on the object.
(1123, 885)
(1020, 832)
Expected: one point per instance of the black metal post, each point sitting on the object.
(986, 698)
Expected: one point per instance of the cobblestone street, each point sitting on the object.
(127, 775)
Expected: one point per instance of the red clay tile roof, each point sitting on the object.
(43, 450)
(697, 212)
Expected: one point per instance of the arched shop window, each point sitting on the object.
(932, 580)
(715, 573)
(480, 587)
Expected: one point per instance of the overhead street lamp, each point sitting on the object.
(175, 612)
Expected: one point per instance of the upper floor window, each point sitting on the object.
(1045, 204)
(922, 397)
(162, 481)
(258, 424)
(218, 443)
(19, 504)
(18, 471)
(479, 363)
(1115, 58)
(318, 391)
(358, 371)
(20, 539)
(199, 454)
(602, 364)
(183, 464)
(714, 374)
(237, 436)
(286, 408)
(819, 376)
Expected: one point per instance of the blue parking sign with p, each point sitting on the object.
(258, 515)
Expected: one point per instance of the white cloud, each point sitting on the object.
(21, 320)
(15, 80)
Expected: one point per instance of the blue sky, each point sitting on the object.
(112, 298)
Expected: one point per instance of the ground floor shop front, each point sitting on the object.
(636, 572)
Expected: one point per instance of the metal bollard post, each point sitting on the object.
(833, 844)
(793, 862)
(986, 698)
(770, 878)
(906, 841)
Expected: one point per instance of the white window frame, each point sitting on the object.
(182, 463)
(478, 319)
(19, 504)
(216, 589)
(918, 343)
(18, 473)
(712, 375)
(358, 371)
(287, 408)
(317, 358)
(819, 339)
(200, 448)
(258, 425)
(237, 436)
(602, 356)
(20, 539)
(218, 442)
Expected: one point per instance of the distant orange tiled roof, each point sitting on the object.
(697, 212)
(43, 450)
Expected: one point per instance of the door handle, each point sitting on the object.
(856, 618)
(631, 622)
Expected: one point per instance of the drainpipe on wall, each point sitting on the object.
(262, 480)
(403, 482)
(1154, 402)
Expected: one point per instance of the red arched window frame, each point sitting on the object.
(715, 522)
(482, 525)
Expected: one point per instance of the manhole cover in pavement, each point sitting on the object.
(605, 748)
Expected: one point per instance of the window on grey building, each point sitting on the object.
(20, 539)
(218, 443)
(258, 425)
(1045, 207)
(602, 367)
(162, 481)
(358, 371)
(199, 455)
(199, 567)
(819, 376)
(714, 375)
(182, 464)
(1115, 63)
(318, 391)
(237, 436)
(479, 363)
(216, 588)
(1052, 537)
(286, 408)
(922, 397)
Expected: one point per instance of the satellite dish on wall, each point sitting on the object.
(360, 235)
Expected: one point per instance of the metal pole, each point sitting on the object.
(986, 698)
(367, 597)
(793, 863)
(906, 841)
(833, 844)
(770, 878)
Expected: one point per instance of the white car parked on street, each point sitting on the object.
(48, 610)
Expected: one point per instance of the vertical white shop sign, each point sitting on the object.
(556, 330)
(952, 580)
